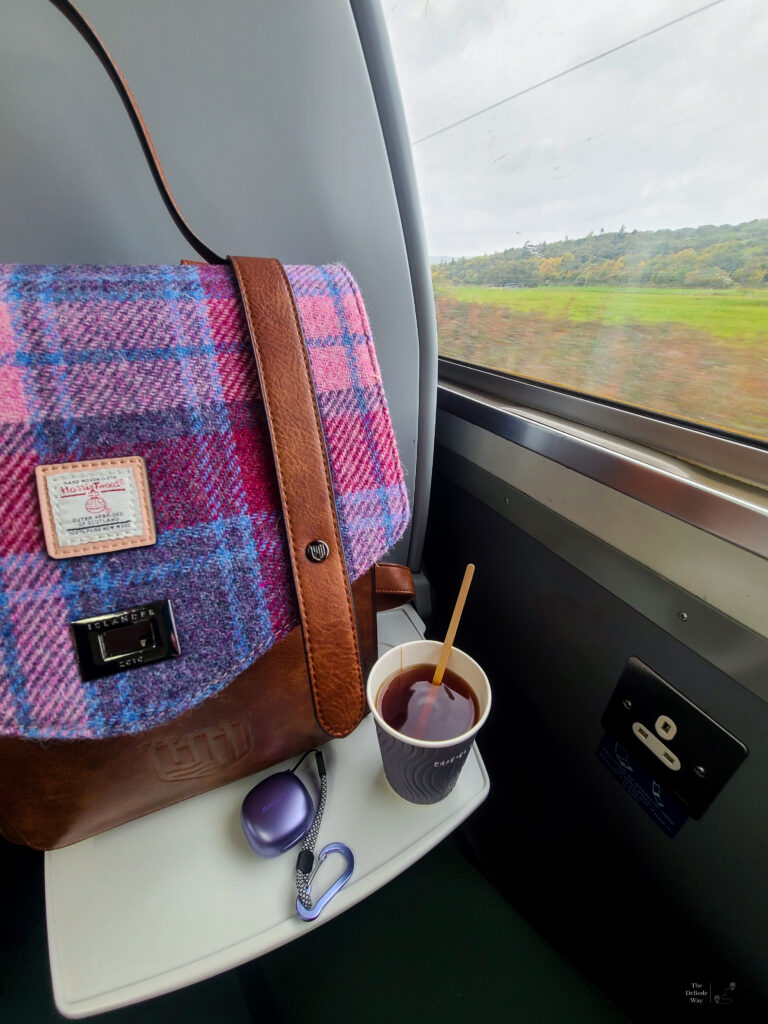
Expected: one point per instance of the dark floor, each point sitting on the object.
(436, 945)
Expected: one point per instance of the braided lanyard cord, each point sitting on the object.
(306, 858)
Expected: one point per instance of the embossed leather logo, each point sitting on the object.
(201, 753)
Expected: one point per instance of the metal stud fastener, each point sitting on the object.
(317, 551)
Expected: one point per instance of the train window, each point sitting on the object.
(594, 196)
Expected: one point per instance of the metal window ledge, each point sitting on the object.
(723, 506)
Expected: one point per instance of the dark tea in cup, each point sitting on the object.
(413, 705)
(425, 732)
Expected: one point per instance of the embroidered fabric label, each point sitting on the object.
(93, 507)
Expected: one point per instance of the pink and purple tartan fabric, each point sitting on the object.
(101, 362)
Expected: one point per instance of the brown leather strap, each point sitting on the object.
(304, 479)
(393, 585)
(83, 27)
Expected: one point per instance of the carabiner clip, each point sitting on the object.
(309, 914)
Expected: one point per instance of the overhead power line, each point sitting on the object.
(562, 74)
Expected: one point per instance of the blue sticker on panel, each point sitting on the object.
(654, 800)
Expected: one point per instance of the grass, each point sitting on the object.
(693, 354)
(734, 315)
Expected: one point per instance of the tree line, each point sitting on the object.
(710, 256)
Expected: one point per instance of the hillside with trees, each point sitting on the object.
(724, 256)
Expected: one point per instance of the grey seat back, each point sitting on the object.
(266, 121)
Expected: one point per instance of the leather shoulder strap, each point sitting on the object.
(393, 584)
(83, 27)
(306, 492)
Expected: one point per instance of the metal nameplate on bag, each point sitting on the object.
(119, 641)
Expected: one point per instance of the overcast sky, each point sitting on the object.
(668, 132)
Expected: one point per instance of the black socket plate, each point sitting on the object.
(699, 743)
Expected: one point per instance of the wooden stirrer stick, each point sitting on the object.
(445, 654)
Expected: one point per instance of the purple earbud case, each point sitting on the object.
(276, 814)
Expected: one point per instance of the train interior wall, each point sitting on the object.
(650, 918)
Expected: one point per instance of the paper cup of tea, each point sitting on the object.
(425, 736)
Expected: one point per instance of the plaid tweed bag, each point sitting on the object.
(139, 471)
(199, 475)
(103, 362)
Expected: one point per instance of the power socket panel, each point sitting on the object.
(678, 744)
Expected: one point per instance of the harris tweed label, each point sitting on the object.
(94, 507)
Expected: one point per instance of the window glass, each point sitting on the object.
(596, 202)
